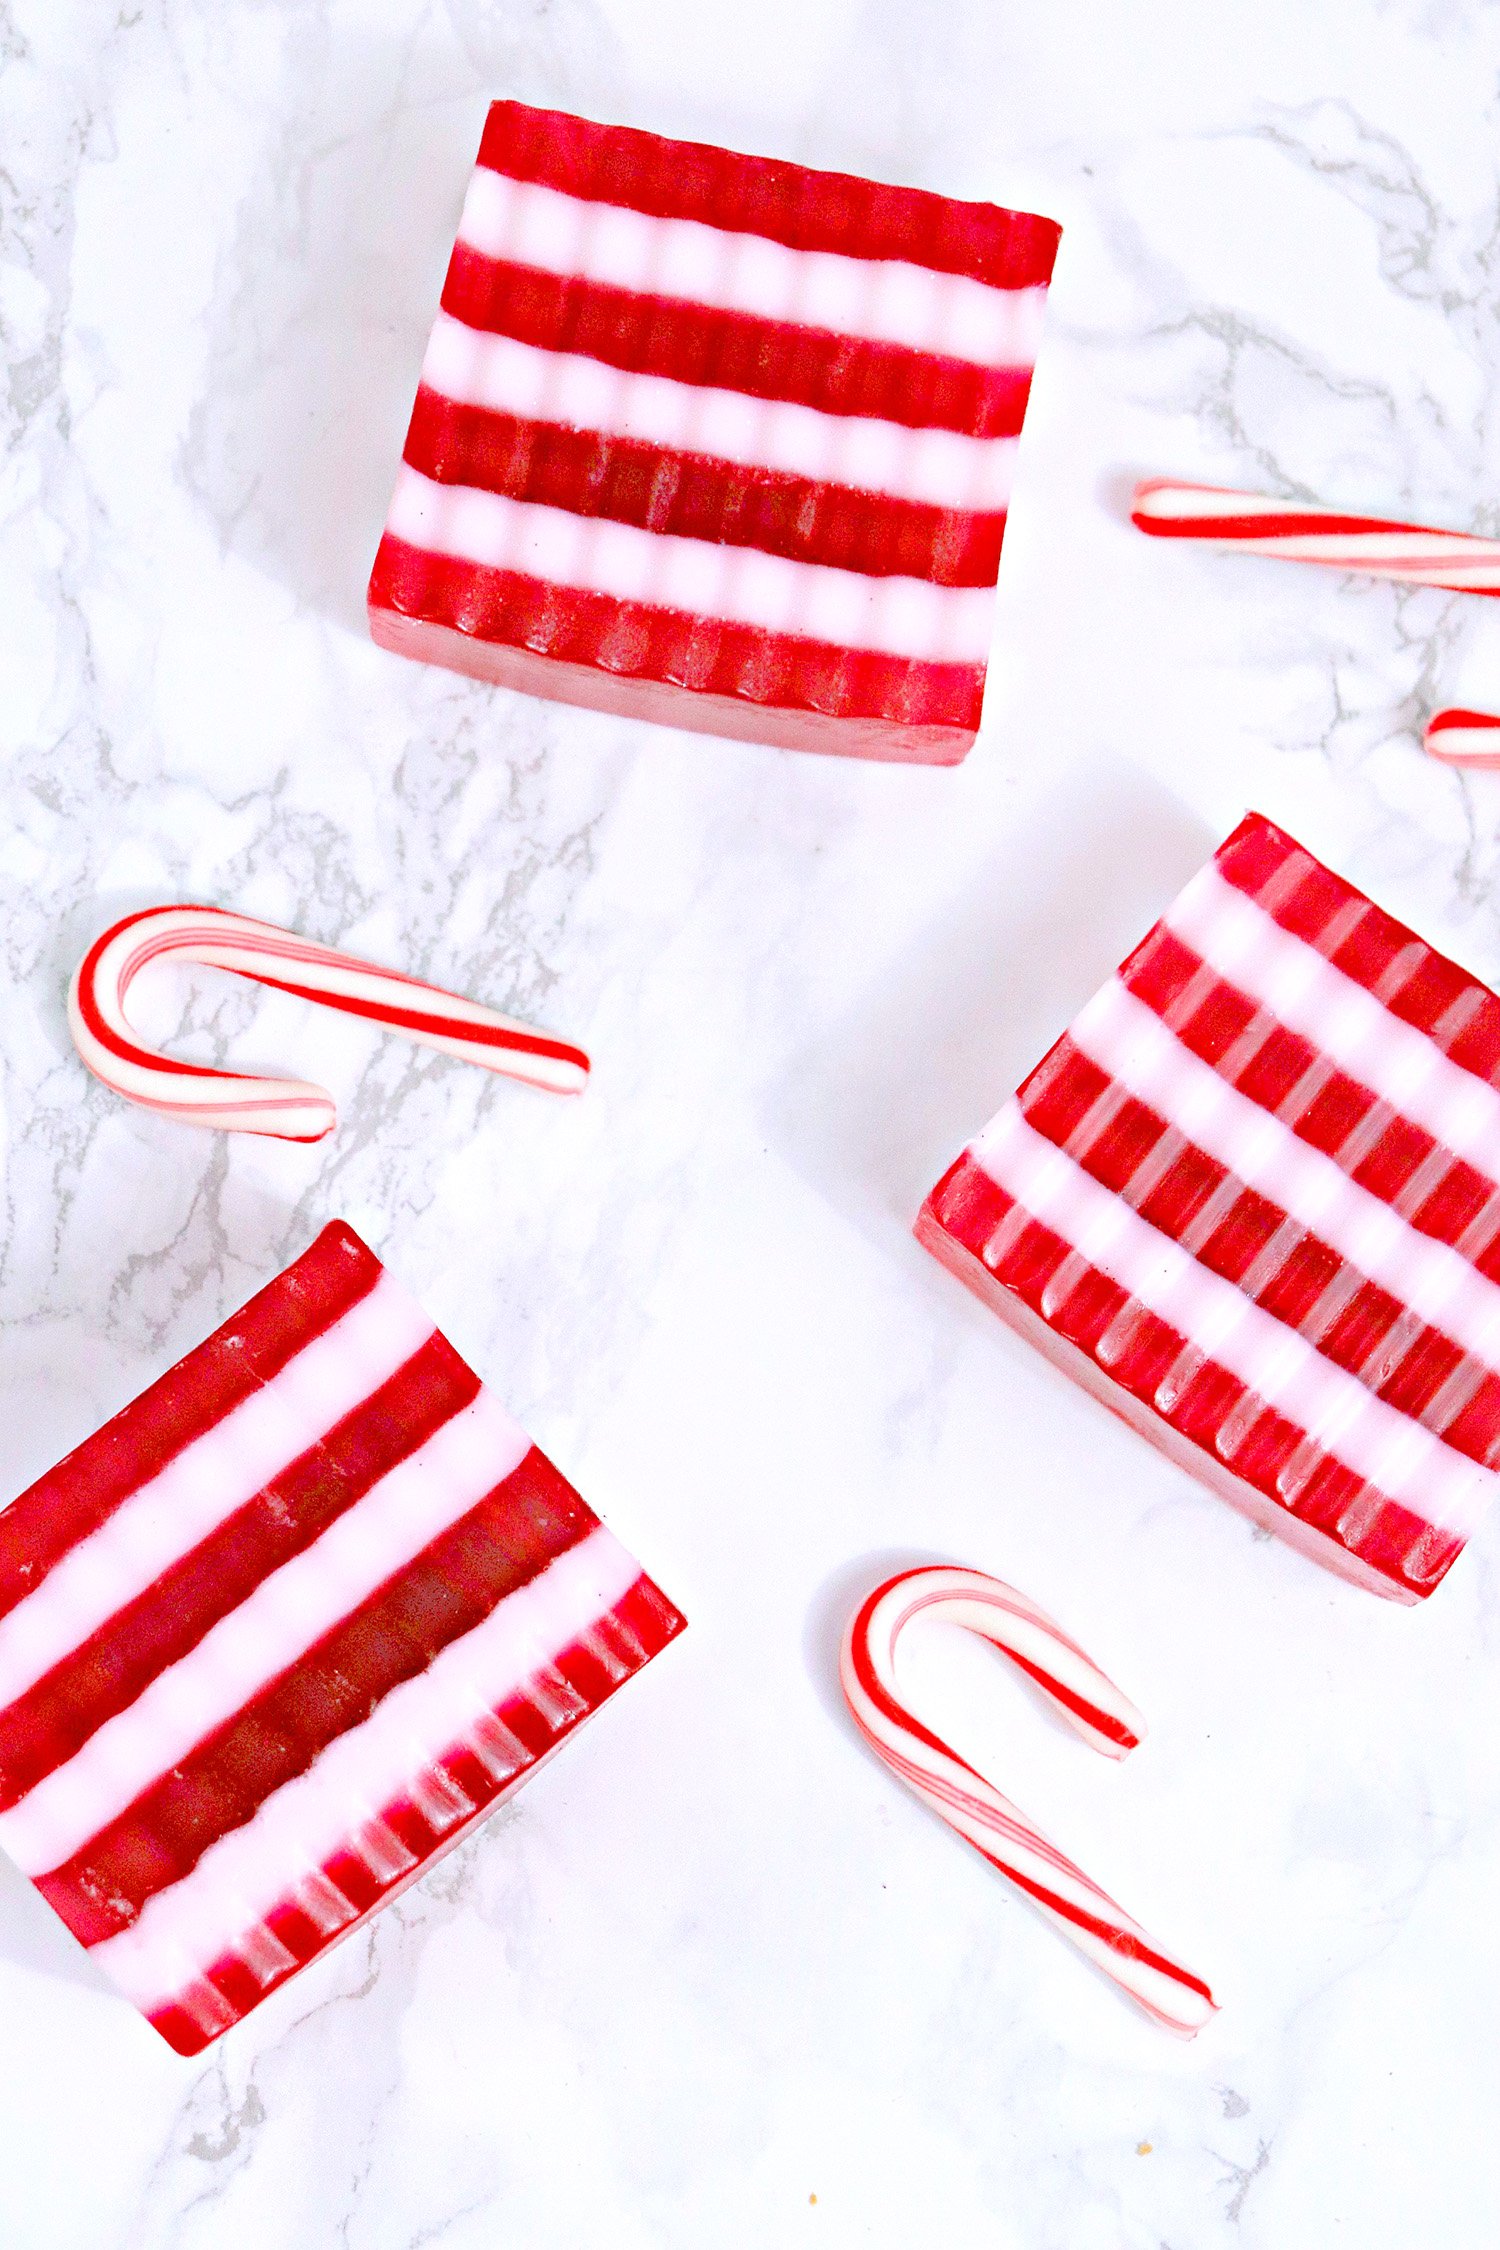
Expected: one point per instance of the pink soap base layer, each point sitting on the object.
(1067, 1358)
(659, 703)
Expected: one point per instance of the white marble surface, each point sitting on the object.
(714, 1980)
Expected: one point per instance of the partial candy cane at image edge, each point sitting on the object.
(1470, 739)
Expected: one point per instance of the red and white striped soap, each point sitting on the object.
(1250, 1200)
(273, 1639)
(716, 441)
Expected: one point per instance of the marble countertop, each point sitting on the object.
(714, 1980)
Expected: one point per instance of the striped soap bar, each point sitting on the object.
(275, 1636)
(716, 441)
(1250, 1200)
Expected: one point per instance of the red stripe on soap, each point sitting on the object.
(108, 1671)
(1407, 975)
(72, 1500)
(787, 203)
(704, 653)
(1246, 1238)
(1019, 1255)
(696, 496)
(455, 1583)
(640, 1625)
(1438, 1193)
(733, 351)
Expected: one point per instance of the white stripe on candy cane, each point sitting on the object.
(1464, 738)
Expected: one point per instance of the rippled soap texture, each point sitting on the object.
(1249, 1198)
(716, 441)
(279, 1633)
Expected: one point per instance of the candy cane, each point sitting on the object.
(1168, 1992)
(288, 1109)
(1304, 532)
(1463, 738)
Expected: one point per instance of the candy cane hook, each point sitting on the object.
(1305, 532)
(288, 1109)
(1168, 1992)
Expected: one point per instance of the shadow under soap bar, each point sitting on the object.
(280, 1632)
(1250, 1200)
(716, 441)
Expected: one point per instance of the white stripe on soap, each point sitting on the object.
(1304, 991)
(740, 585)
(940, 468)
(212, 1477)
(881, 300)
(1131, 1043)
(288, 1611)
(244, 1874)
(1338, 1414)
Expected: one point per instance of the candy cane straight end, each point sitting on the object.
(1464, 738)
(1161, 503)
(1172, 508)
(288, 1109)
(1168, 1992)
(1406, 554)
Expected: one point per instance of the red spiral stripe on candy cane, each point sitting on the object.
(1169, 1993)
(1409, 553)
(1464, 738)
(288, 1109)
